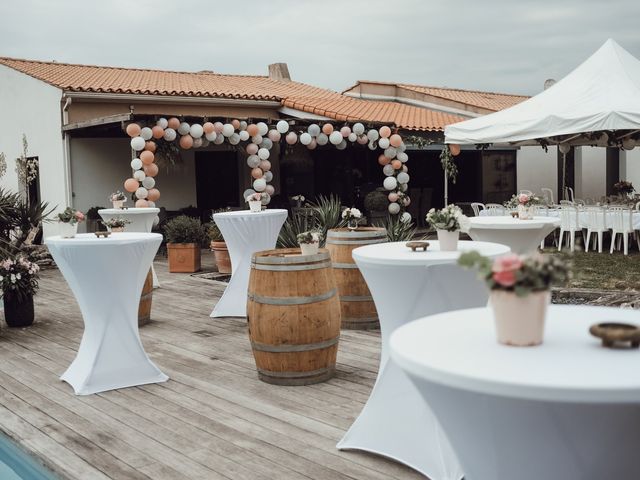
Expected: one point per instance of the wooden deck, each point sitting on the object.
(212, 420)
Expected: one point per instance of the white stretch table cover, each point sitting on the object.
(405, 285)
(582, 217)
(141, 221)
(245, 232)
(106, 275)
(567, 409)
(522, 236)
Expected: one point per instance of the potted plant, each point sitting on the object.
(184, 236)
(255, 202)
(68, 221)
(219, 246)
(523, 203)
(118, 199)
(309, 242)
(352, 216)
(448, 223)
(376, 204)
(298, 200)
(624, 188)
(520, 292)
(116, 224)
(19, 280)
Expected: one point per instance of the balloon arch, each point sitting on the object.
(257, 140)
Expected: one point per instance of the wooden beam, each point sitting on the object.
(94, 122)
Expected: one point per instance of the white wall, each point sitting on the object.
(537, 169)
(630, 167)
(32, 107)
(590, 172)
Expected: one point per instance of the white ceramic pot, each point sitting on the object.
(519, 320)
(116, 229)
(67, 230)
(118, 203)
(448, 240)
(255, 205)
(524, 212)
(309, 248)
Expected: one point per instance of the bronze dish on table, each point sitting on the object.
(414, 246)
(615, 334)
(104, 234)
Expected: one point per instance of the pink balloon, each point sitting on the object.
(382, 160)
(345, 131)
(385, 132)
(257, 173)
(218, 127)
(265, 165)
(313, 144)
(147, 157)
(140, 203)
(236, 124)
(252, 149)
(396, 164)
(327, 129)
(270, 190)
(150, 170)
(131, 185)
(363, 140)
(253, 129)
(186, 141)
(393, 197)
(153, 195)
(151, 146)
(157, 131)
(174, 123)
(274, 135)
(133, 130)
(292, 138)
(208, 127)
(395, 140)
(406, 201)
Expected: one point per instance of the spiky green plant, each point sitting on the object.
(293, 226)
(328, 214)
(399, 231)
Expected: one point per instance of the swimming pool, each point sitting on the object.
(15, 464)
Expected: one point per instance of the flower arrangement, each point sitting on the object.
(71, 216)
(350, 214)
(450, 219)
(298, 199)
(523, 199)
(19, 278)
(254, 197)
(519, 274)
(117, 196)
(623, 187)
(116, 222)
(309, 237)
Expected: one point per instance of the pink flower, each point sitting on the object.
(523, 198)
(505, 279)
(79, 216)
(504, 269)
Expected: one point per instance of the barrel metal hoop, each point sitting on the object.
(345, 265)
(355, 242)
(359, 319)
(292, 300)
(290, 268)
(312, 373)
(288, 348)
(365, 234)
(356, 298)
(284, 260)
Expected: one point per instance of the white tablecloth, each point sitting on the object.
(568, 409)
(106, 275)
(582, 217)
(522, 236)
(245, 233)
(141, 221)
(406, 285)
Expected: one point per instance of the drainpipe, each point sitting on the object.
(66, 152)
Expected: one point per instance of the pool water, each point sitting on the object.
(15, 464)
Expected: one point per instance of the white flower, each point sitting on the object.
(18, 276)
(13, 278)
(464, 223)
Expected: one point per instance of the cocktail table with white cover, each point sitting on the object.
(106, 275)
(141, 220)
(246, 233)
(522, 236)
(568, 409)
(405, 285)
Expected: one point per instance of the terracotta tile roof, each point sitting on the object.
(307, 98)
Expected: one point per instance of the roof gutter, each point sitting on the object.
(139, 98)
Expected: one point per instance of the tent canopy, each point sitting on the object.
(602, 94)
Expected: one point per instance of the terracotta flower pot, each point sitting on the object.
(183, 257)
(223, 260)
(519, 320)
(448, 240)
(18, 313)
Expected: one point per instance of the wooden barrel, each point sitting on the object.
(144, 309)
(294, 316)
(356, 303)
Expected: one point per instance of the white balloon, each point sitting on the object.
(564, 148)
(394, 208)
(270, 190)
(266, 198)
(136, 164)
(196, 130)
(257, 139)
(335, 138)
(282, 126)
(387, 170)
(373, 135)
(146, 133)
(404, 187)
(406, 217)
(628, 143)
(390, 183)
(243, 125)
(234, 139)
(227, 130)
(142, 193)
(390, 152)
(139, 175)
(244, 135)
(263, 153)
(219, 140)
(403, 157)
(314, 130)
(322, 139)
(342, 145)
(383, 143)
(197, 142)
(205, 142)
(358, 128)
(404, 168)
(248, 192)
(268, 175)
(184, 128)
(262, 128)
(253, 161)
(137, 143)
(402, 147)
(259, 184)
(156, 219)
(372, 145)
(162, 123)
(211, 136)
(403, 177)
(266, 143)
(148, 182)
(305, 138)
(352, 137)
(170, 135)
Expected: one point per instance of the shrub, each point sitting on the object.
(184, 229)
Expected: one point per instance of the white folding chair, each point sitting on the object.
(495, 209)
(527, 192)
(596, 223)
(621, 222)
(569, 223)
(541, 211)
(568, 194)
(566, 202)
(476, 207)
(547, 194)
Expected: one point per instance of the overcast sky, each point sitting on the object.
(498, 45)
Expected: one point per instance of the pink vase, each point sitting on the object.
(519, 320)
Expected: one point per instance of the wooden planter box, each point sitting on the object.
(183, 257)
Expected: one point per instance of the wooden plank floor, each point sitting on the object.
(212, 420)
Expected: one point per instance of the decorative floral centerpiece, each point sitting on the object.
(19, 280)
(352, 216)
(523, 202)
(624, 188)
(68, 221)
(118, 199)
(520, 292)
(309, 242)
(116, 224)
(298, 199)
(255, 202)
(448, 223)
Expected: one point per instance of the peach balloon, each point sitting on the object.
(174, 123)
(252, 149)
(385, 132)
(454, 149)
(140, 203)
(147, 157)
(327, 129)
(186, 141)
(395, 140)
(257, 173)
(363, 140)
(133, 130)
(153, 195)
(291, 138)
(157, 131)
(218, 127)
(274, 135)
(253, 130)
(382, 160)
(265, 165)
(131, 185)
(345, 131)
(151, 146)
(208, 127)
(236, 124)
(393, 197)
(150, 170)
(396, 164)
